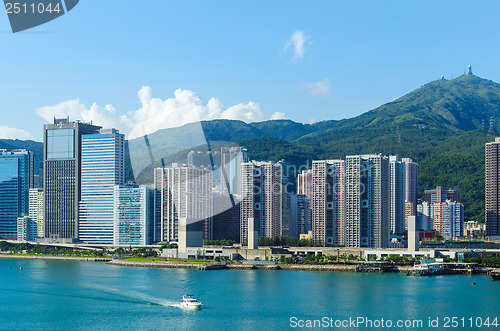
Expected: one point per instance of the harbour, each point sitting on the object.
(53, 294)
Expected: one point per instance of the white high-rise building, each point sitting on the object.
(103, 167)
(26, 229)
(36, 210)
(453, 219)
(261, 198)
(304, 184)
(182, 191)
(367, 196)
(132, 212)
(328, 202)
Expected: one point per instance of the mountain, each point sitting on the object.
(460, 104)
(231, 130)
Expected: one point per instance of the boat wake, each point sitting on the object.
(176, 305)
(137, 296)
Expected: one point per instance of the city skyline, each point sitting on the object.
(356, 201)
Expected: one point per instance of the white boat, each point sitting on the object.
(189, 302)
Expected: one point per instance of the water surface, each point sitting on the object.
(70, 295)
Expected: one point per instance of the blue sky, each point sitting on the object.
(230, 59)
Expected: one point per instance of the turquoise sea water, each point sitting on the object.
(94, 296)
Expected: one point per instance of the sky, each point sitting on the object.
(145, 65)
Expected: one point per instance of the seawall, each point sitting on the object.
(46, 257)
(298, 267)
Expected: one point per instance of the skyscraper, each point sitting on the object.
(62, 174)
(441, 195)
(102, 167)
(133, 215)
(492, 192)
(305, 184)
(453, 219)
(231, 160)
(182, 191)
(226, 219)
(328, 202)
(411, 183)
(305, 189)
(262, 198)
(437, 217)
(397, 194)
(367, 201)
(36, 210)
(409, 211)
(26, 229)
(16, 178)
(301, 217)
(425, 213)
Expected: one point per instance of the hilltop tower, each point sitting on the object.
(491, 129)
(469, 70)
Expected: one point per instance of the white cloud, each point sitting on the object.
(279, 116)
(105, 116)
(321, 88)
(155, 114)
(13, 133)
(298, 41)
(312, 120)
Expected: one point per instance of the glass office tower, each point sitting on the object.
(103, 167)
(16, 178)
(132, 215)
(62, 173)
